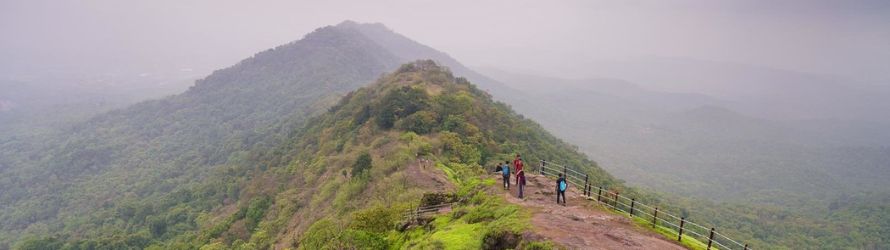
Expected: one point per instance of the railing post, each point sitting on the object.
(680, 234)
(565, 172)
(710, 238)
(543, 164)
(632, 201)
(586, 176)
(599, 196)
(655, 218)
(616, 201)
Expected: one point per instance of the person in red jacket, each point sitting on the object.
(517, 163)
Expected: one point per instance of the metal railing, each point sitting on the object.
(654, 215)
(410, 215)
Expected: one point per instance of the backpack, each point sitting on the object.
(562, 185)
(506, 170)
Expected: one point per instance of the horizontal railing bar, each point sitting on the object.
(697, 225)
(687, 231)
(568, 168)
(647, 206)
(721, 245)
(669, 223)
(672, 216)
(731, 240)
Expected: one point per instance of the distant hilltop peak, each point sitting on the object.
(354, 24)
(423, 74)
(423, 65)
(375, 31)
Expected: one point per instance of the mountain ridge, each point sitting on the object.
(140, 159)
(180, 138)
(420, 113)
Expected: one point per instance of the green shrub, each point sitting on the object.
(45, 243)
(362, 164)
(325, 234)
(157, 226)
(348, 191)
(363, 115)
(408, 137)
(377, 219)
(422, 122)
(256, 210)
(358, 239)
(466, 153)
(319, 235)
(454, 123)
(500, 239)
(400, 103)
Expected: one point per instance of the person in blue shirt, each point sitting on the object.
(561, 186)
(505, 170)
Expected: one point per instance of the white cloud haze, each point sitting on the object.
(847, 38)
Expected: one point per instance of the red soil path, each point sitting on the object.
(581, 224)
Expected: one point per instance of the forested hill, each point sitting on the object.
(105, 176)
(345, 179)
(109, 166)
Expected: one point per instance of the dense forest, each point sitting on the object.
(136, 161)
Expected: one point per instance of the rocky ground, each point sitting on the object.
(581, 224)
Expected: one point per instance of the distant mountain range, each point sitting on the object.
(664, 139)
(755, 90)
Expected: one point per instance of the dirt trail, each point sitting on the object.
(580, 224)
(427, 176)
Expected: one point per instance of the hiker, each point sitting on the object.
(517, 163)
(505, 170)
(561, 186)
(497, 168)
(520, 180)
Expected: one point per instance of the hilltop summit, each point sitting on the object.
(344, 179)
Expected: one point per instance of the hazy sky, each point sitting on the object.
(849, 38)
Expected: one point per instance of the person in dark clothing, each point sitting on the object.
(505, 171)
(561, 186)
(520, 180)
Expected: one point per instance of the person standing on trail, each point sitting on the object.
(517, 163)
(561, 186)
(505, 170)
(520, 180)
